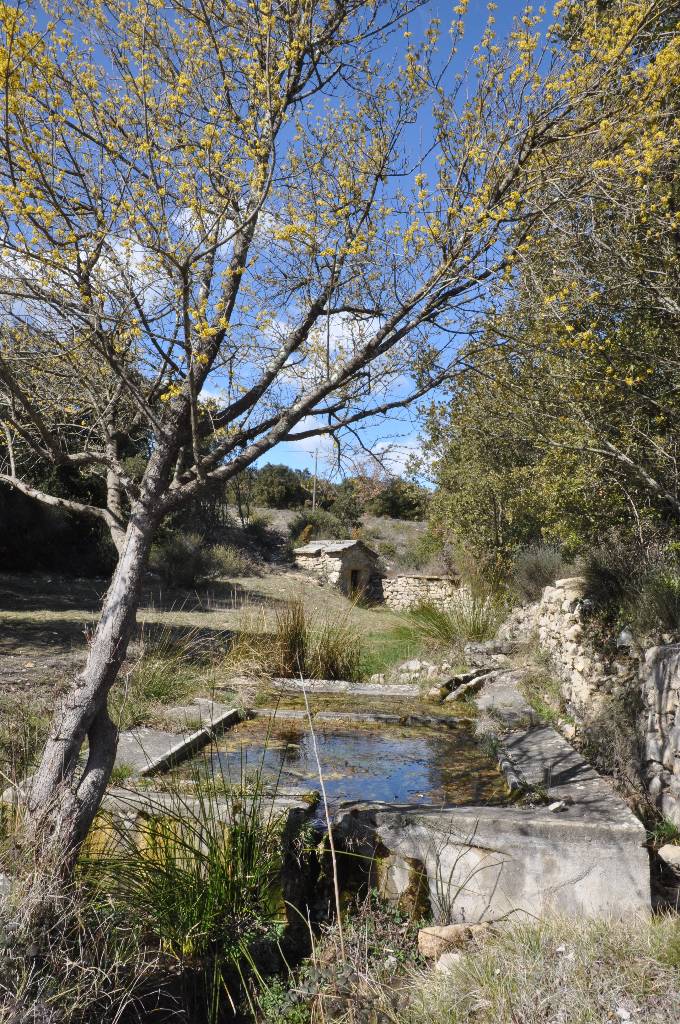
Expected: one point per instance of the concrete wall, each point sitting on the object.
(484, 863)
(404, 592)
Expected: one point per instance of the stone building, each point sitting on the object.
(349, 565)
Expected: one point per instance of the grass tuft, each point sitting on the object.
(471, 617)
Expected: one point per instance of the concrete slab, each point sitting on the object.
(137, 748)
(542, 758)
(483, 863)
(131, 803)
(155, 750)
(501, 699)
(199, 713)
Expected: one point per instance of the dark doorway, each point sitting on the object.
(353, 580)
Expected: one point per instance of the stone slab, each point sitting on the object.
(155, 750)
(542, 758)
(331, 686)
(483, 863)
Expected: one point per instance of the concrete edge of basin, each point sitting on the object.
(190, 744)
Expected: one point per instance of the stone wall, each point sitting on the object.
(587, 676)
(404, 592)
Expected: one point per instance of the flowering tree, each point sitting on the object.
(217, 236)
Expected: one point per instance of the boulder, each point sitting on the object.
(442, 938)
(670, 855)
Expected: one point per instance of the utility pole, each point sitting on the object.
(316, 459)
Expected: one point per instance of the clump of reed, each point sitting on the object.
(299, 645)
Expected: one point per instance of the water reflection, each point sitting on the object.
(392, 764)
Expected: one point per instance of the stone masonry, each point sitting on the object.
(557, 621)
(404, 592)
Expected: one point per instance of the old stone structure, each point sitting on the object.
(404, 592)
(587, 677)
(349, 565)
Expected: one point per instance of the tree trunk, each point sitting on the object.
(65, 796)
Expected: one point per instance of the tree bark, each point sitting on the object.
(64, 796)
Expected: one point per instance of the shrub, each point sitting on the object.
(228, 560)
(535, 567)
(659, 602)
(180, 559)
(470, 617)
(317, 525)
(614, 570)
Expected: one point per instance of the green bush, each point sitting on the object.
(228, 560)
(180, 559)
(278, 487)
(659, 602)
(317, 525)
(535, 567)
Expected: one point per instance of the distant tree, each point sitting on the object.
(278, 487)
(399, 499)
(193, 196)
(346, 503)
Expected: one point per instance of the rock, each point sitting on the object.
(447, 962)
(377, 677)
(435, 693)
(670, 855)
(5, 885)
(414, 665)
(442, 938)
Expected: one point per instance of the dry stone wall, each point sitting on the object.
(558, 621)
(404, 592)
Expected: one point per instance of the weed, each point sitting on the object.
(121, 773)
(300, 645)
(23, 730)
(201, 876)
(664, 831)
(383, 650)
(543, 693)
(170, 668)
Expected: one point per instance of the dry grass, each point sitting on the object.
(300, 644)
(561, 971)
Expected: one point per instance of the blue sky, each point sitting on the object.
(397, 438)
